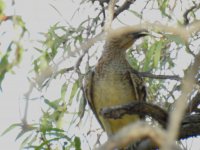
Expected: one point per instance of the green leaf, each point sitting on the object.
(22, 132)
(4, 67)
(82, 105)
(77, 142)
(25, 129)
(136, 14)
(21, 23)
(148, 57)
(175, 38)
(74, 90)
(19, 53)
(157, 57)
(153, 55)
(2, 6)
(163, 4)
(46, 123)
(46, 142)
(145, 44)
(34, 139)
(63, 90)
(133, 62)
(11, 127)
(39, 50)
(58, 133)
(25, 141)
(54, 104)
(157, 53)
(57, 130)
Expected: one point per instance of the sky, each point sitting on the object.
(38, 15)
(34, 13)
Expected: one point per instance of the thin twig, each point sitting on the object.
(109, 19)
(150, 75)
(85, 46)
(132, 133)
(27, 97)
(185, 15)
(181, 104)
(65, 70)
(124, 7)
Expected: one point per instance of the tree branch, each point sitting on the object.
(193, 104)
(109, 19)
(190, 126)
(125, 6)
(139, 108)
(185, 15)
(62, 71)
(181, 104)
(150, 75)
(133, 132)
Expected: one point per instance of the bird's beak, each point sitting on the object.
(140, 34)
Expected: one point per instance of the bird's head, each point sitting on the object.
(123, 38)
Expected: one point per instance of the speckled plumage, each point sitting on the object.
(112, 82)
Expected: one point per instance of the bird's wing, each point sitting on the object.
(88, 93)
(139, 86)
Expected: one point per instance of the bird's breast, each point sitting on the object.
(113, 89)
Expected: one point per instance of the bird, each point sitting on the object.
(113, 82)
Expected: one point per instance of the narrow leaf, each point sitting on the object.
(63, 90)
(77, 142)
(157, 53)
(175, 38)
(73, 92)
(11, 127)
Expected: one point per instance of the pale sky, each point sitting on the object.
(38, 15)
